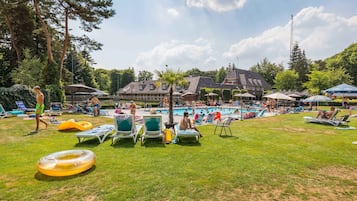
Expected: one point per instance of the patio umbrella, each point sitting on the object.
(76, 89)
(293, 95)
(211, 94)
(245, 95)
(344, 90)
(188, 96)
(316, 99)
(189, 93)
(279, 96)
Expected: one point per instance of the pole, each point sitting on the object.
(72, 66)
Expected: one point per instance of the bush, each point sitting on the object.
(17, 92)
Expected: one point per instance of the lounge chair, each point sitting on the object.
(125, 127)
(56, 109)
(331, 121)
(199, 119)
(210, 118)
(21, 106)
(225, 123)
(261, 113)
(4, 113)
(100, 132)
(152, 127)
(188, 133)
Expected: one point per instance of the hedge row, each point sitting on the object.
(9, 96)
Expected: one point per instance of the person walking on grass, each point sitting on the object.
(40, 107)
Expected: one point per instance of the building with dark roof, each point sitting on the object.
(153, 90)
(250, 81)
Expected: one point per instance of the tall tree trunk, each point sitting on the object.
(65, 44)
(171, 116)
(12, 33)
(45, 31)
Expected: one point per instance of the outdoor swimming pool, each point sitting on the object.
(204, 110)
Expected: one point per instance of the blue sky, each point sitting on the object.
(208, 34)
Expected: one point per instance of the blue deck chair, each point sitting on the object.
(56, 109)
(261, 113)
(210, 118)
(21, 106)
(152, 127)
(125, 128)
(198, 121)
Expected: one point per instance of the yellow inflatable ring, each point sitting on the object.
(66, 163)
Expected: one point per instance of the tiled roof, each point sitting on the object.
(155, 87)
(246, 79)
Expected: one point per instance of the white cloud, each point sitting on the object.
(173, 12)
(217, 5)
(182, 55)
(319, 33)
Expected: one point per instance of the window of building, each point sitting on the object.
(164, 86)
(152, 87)
(142, 87)
(187, 85)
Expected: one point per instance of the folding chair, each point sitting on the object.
(223, 125)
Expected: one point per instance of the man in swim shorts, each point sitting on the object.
(40, 107)
(96, 105)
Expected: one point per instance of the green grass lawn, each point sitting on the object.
(273, 158)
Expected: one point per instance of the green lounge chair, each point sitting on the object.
(125, 128)
(152, 127)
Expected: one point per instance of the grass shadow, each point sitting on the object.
(228, 136)
(155, 142)
(188, 142)
(124, 143)
(88, 143)
(31, 133)
(42, 177)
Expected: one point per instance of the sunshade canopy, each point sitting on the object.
(279, 96)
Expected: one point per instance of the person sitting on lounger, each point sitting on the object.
(185, 123)
(326, 115)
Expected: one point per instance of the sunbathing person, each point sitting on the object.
(326, 115)
(185, 123)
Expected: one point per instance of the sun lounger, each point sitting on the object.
(56, 109)
(331, 121)
(125, 127)
(152, 127)
(100, 132)
(4, 113)
(188, 133)
(21, 106)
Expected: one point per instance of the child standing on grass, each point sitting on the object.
(40, 107)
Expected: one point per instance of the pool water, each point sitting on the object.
(206, 110)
